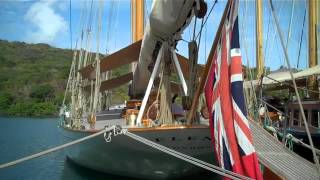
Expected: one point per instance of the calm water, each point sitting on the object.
(21, 137)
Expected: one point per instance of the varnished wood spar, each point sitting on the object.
(137, 20)
(122, 57)
(123, 79)
(259, 39)
(208, 65)
(113, 83)
(116, 82)
(313, 56)
(137, 24)
(129, 55)
(166, 128)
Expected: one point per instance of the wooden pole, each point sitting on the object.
(312, 82)
(137, 23)
(259, 40)
(208, 65)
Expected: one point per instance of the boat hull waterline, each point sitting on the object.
(125, 156)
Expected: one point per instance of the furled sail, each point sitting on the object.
(166, 22)
(284, 76)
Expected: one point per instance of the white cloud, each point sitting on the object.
(47, 22)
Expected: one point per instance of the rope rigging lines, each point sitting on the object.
(108, 132)
(316, 160)
(301, 37)
(70, 23)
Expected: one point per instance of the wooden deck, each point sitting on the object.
(279, 159)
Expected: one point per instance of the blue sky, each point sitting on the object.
(48, 21)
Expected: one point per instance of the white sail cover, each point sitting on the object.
(285, 76)
(167, 21)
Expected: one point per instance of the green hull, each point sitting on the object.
(127, 157)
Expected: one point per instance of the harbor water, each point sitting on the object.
(20, 137)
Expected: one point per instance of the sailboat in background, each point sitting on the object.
(125, 156)
(148, 112)
(281, 115)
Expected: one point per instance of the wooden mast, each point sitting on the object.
(312, 83)
(137, 22)
(259, 39)
(203, 79)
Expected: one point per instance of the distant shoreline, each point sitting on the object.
(39, 117)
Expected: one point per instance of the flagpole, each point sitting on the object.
(208, 65)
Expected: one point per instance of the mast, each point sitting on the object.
(259, 40)
(312, 82)
(137, 22)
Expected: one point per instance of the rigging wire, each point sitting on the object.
(289, 33)
(200, 36)
(110, 24)
(190, 159)
(116, 24)
(244, 39)
(300, 43)
(267, 39)
(274, 40)
(316, 160)
(70, 24)
(205, 45)
(205, 21)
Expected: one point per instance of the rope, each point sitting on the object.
(70, 74)
(291, 18)
(21, 160)
(70, 24)
(316, 160)
(197, 162)
(96, 99)
(165, 96)
(205, 21)
(255, 104)
(117, 130)
(273, 40)
(289, 139)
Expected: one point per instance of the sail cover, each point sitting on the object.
(284, 76)
(166, 22)
(229, 125)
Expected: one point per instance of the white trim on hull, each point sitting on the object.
(127, 157)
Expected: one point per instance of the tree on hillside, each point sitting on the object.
(6, 100)
(42, 93)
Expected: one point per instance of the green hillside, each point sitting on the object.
(33, 79)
